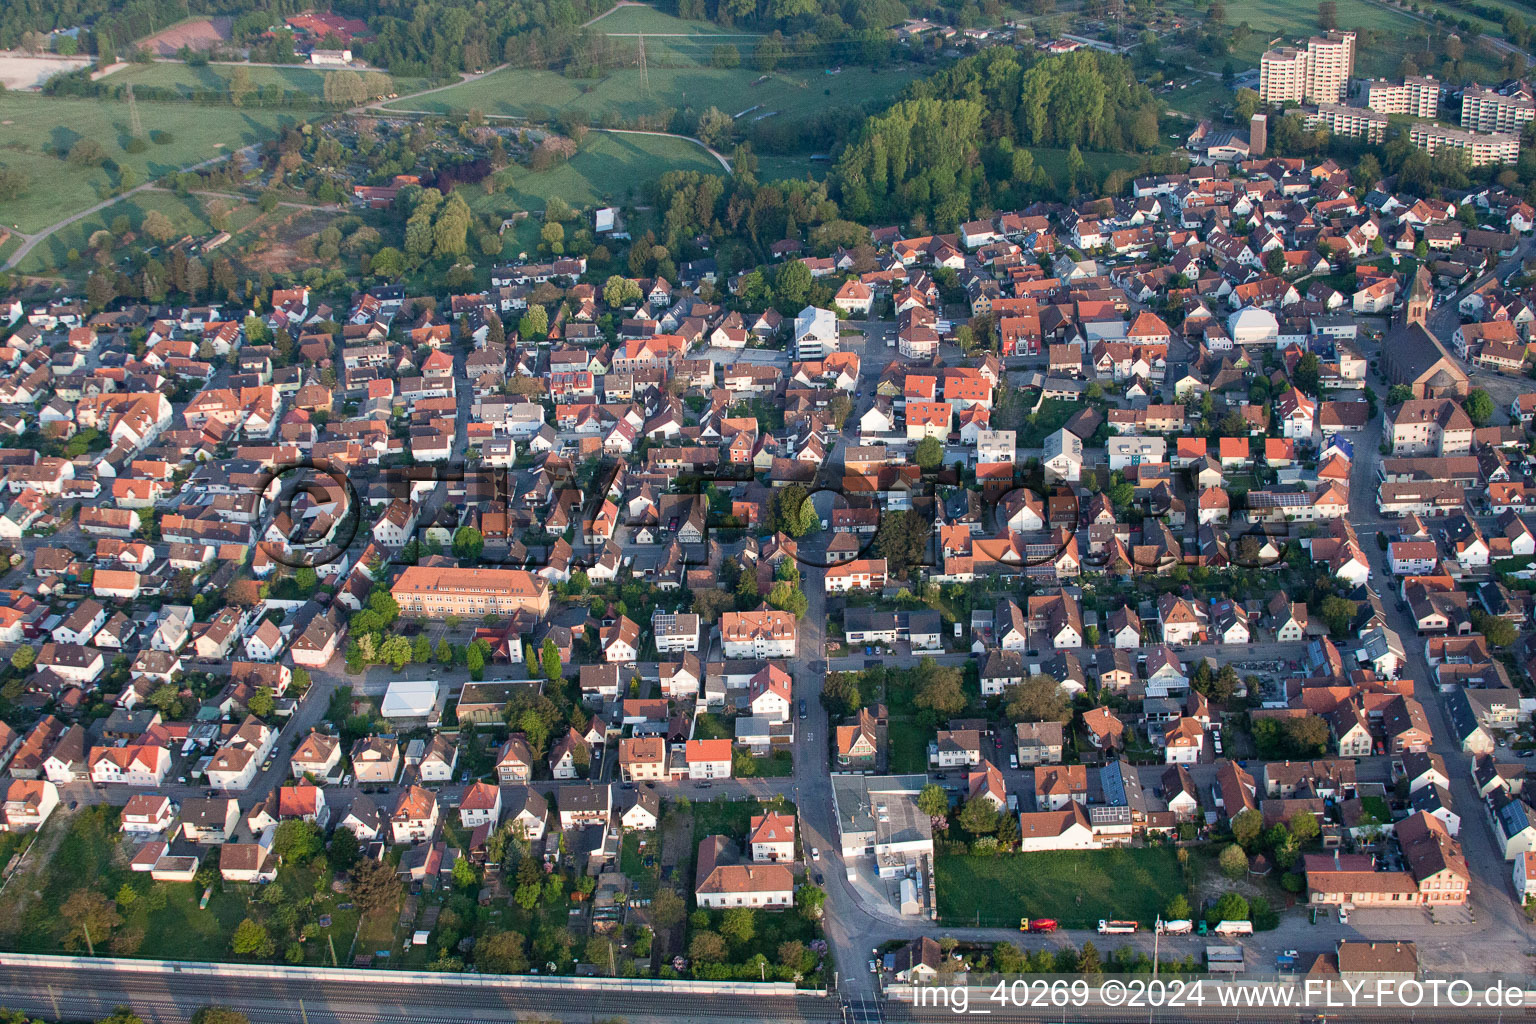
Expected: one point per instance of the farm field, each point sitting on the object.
(33, 129)
(1076, 887)
(622, 96)
(608, 168)
(189, 214)
(188, 80)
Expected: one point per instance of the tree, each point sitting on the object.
(939, 688)
(344, 89)
(1305, 377)
(158, 226)
(979, 816)
(91, 914)
(468, 543)
(1231, 906)
(474, 660)
(421, 649)
(1479, 407)
(261, 703)
(549, 659)
(810, 899)
(667, 908)
(1246, 826)
(374, 886)
(1498, 631)
(1274, 261)
(739, 925)
(501, 953)
(1177, 909)
(929, 453)
(1336, 612)
(708, 946)
(219, 1015)
(297, 841)
(23, 658)
(251, 939)
(343, 850)
(792, 285)
(1037, 699)
(534, 324)
(792, 512)
(902, 540)
(1234, 862)
(1328, 16)
(933, 801)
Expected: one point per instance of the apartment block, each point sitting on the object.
(1483, 110)
(1317, 72)
(1356, 122)
(1497, 148)
(1414, 95)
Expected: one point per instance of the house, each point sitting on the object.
(236, 763)
(148, 813)
(527, 812)
(585, 805)
(917, 961)
(1064, 827)
(721, 882)
(375, 760)
(643, 758)
(643, 811)
(954, 748)
(480, 805)
(439, 761)
(1183, 740)
(765, 633)
(209, 821)
(414, 818)
(514, 762)
(1058, 785)
(137, 765)
(317, 756)
(28, 803)
(1039, 742)
(771, 838)
(859, 741)
(708, 759)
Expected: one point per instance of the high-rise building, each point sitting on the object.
(1414, 95)
(1484, 110)
(1315, 73)
(1480, 148)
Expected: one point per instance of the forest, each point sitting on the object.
(958, 142)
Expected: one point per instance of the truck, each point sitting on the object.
(1175, 927)
(1235, 928)
(1043, 925)
(1118, 927)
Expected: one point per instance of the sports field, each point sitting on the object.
(1076, 887)
(186, 79)
(609, 168)
(34, 129)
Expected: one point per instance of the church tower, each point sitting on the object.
(1420, 299)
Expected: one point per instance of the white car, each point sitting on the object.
(815, 854)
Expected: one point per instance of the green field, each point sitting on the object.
(300, 79)
(1077, 888)
(639, 18)
(34, 128)
(1281, 18)
(622, 97)
(607, 168)
(188, 214)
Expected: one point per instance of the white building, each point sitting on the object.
(815, 334)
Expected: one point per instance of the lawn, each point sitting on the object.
(632, 862)
(300, 79)
(730, 818)
(796, 168)
(908, 746)
(608, 168)
(189, 214)
(33, 129)
(1077, 888)
(1054, 163)
(624, 97)
(639, 18)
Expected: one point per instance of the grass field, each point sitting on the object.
(34, 128)
(623, 96)
(188, 214)
(1077, 888)
(608, 167)
(301, 79)
(1272, 18)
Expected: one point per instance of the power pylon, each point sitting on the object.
(645, 76)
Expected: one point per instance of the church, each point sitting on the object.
(1414, 357)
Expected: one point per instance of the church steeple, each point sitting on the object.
(1420, 298)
